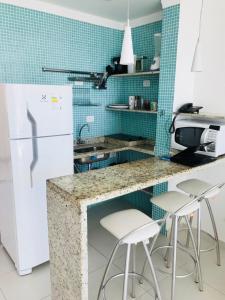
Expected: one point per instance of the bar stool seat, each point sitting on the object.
(173, 201)
(123, 222)
(194, 187)
(131, 227)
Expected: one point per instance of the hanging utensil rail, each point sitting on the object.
(44, 69)
(99, 79)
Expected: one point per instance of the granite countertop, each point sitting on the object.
(111, 182)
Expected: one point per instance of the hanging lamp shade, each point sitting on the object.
(197, 64)
(127, 54)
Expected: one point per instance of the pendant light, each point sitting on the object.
(197, 64)
(127, 53)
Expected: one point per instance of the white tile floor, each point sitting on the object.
(37, 285)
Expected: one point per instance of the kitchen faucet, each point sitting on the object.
(79, 140)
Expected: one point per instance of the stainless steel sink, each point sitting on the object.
(88, 149)
(90, 159)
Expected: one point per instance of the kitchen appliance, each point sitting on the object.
(118, 68)
(138, 102)
(192, 133)
(132, 68)
(36, 145)
(140, 63)
(131, 102)
(189, 157)
(156, 61)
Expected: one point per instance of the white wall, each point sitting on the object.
(209, 86)
(188, 34)
(206, 88)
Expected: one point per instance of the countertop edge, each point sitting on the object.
(140, 186)
(85, 201)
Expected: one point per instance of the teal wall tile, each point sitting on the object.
(31, 39)
(170, 29)
(166, 90)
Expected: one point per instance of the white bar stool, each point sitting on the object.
(178, 205)
(195, 187)
(131, 227)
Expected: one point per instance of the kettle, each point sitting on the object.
(156, 64)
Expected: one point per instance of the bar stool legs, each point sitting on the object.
(126, 273)
(171, 253)
(133, 293)
(195, 188)
(168, 255)
(216, 237)
(188, 233)
(106, 272)
(196, 251)
(151, 249)
(215, 232)
(174, 260)
(158, 297)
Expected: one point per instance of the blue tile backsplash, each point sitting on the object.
(31, 39)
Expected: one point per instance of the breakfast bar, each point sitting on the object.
(68, 200)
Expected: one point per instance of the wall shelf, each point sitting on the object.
(136, 74)
(133, 111)
(87, 105)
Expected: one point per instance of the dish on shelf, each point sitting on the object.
(118, 106)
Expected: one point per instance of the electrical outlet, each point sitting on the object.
(146, 83)
(90, 119)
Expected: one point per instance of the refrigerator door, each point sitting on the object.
(54, 157)
(37, 110)
(27, 234)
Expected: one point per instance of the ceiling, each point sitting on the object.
(111, 9)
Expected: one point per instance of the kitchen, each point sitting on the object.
(58, 41)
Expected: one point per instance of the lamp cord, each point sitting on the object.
(200, 21)
(128, 12)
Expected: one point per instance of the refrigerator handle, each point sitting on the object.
(34, 144)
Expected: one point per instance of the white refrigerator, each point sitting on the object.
(36, 144)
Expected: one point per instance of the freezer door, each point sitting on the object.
(53, 157)
(39, 110)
